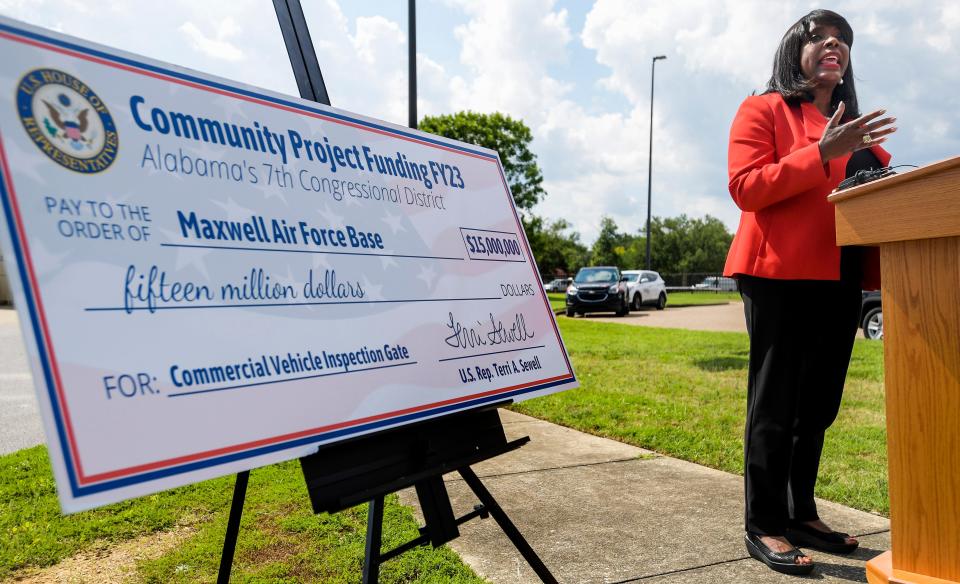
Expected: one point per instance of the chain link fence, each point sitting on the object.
(677, 281)
(699, 282)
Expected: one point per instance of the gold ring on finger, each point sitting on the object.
(866, 138)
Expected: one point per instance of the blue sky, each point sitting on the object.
(577, 72)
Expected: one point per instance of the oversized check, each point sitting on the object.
(212, 277)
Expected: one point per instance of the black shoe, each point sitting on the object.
(785, 563)
(833, 542)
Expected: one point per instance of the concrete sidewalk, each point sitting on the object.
(596, 510)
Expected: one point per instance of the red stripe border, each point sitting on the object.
(34, 290)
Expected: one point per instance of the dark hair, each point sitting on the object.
(788, 79)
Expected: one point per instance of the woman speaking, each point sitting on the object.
(789, 148)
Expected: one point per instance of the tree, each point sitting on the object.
(557, 252)
(685, 245)
(610, 246)
(511, 138)
(679, 245)
(553, 249)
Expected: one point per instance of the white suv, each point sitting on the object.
(645, 288)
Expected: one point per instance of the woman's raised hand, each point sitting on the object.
(866, 131)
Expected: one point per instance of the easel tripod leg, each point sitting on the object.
(371, 564)
(233, 527)
(539, 568)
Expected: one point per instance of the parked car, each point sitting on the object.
(645, 288)
(871, 315)
(717, 283)
(598, 289)
(558, 285)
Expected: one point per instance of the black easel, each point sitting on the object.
(369, 467)
(296, 37)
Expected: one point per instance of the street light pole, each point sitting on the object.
(653, 68)
(412, 62)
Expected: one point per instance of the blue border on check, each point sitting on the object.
(42, 342)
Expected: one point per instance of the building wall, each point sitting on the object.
(6, 297)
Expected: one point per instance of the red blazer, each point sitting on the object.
(777, 179)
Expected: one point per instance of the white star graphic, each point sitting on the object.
(158, 154)
(428, 275)
(188, 256)
(287, 279)
(394, 221)
(124, 197)
(352, 201)
(154, 166)
(206, 151)
(387, 262)
(234, 110)
(372, 291)
(331, 218)
(272, 190)
(320, 260)
(267, 180)
(234, 211)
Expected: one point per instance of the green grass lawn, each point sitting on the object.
(680, 393)
(677, 299)
(280, 538)
(683, 394)
(556, 299)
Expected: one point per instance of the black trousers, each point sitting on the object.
(801, 336)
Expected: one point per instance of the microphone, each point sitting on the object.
(865, 176)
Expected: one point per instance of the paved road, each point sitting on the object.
(19, 419)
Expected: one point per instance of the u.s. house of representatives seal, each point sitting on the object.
(67, 120)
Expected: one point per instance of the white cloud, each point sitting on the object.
(729, 38)
(936, 127)
(506, 48)
(590, 125)
(592, 161)
(237, 39)
(720, 51)
(364, 63)
(380, 47)
(878, 31)
(219, 47)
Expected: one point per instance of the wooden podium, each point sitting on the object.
(915, 219)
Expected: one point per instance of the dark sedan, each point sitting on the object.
(598, 289)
